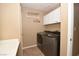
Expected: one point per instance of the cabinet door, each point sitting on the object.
(52, 17)
(45, 20)
(57, 15)
(48, 19)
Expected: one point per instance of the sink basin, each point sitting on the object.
(9, 47)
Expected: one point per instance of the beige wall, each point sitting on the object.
(29, 27)
(10, 21)
(53, 27)
(0, 22)
(64, 27)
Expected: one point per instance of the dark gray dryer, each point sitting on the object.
(49, 43)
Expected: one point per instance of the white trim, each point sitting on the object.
(29, 46)
(70, 29)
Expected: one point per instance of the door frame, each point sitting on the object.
(70, 28)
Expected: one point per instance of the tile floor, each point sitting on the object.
(34, 51)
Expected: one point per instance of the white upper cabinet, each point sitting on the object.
(52, 17)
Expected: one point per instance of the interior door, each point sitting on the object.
(76, 30)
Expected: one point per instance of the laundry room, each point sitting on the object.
(41, 29)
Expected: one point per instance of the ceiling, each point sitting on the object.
(43, 7)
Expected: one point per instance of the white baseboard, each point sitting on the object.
(29, 46)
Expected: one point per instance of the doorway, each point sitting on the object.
(75, 51)
(33, 23)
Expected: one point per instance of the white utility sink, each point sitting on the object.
(9, 47)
